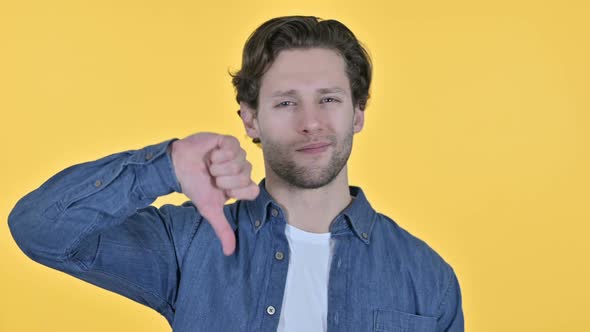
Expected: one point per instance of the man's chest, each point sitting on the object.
(248, 291)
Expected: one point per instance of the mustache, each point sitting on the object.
(325, 139)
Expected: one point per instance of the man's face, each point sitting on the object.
(306, 119)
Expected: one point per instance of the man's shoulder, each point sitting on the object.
(406, 247)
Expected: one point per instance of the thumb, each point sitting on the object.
(222, 229)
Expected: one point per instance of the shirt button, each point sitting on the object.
(274, 212)
(149, 156)
(270, 310)
(257, 223)
(279, 255)
(97, 183)
(364, 235)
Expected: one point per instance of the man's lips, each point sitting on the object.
(313, 146)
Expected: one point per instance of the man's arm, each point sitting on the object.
(93, 221)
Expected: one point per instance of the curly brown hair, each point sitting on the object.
(301, 32)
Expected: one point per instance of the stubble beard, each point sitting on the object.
(282, 163)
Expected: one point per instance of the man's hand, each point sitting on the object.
(211, 169)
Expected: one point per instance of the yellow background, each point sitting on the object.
(476, 136)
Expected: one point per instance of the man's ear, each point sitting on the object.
(249, 120)
(359, 120)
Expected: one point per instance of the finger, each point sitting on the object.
(223, 230)
(230, 168)
(228, 148)
(232, 181)
(221, 155)
(249, 193)
(228, 142)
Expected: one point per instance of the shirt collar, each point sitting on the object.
(358, 215)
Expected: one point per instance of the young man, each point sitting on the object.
(301, 251)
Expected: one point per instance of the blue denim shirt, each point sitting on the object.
(94, 221)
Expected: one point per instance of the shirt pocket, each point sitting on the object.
(386, 320)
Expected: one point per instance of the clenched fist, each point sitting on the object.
(211, 169)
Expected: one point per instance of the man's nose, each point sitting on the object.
(310, 118)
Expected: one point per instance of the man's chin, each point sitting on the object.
(311, 178)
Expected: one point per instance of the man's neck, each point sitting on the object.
(311, 210)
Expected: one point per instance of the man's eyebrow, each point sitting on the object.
(318, 91)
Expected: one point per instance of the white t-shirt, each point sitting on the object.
(305, 302)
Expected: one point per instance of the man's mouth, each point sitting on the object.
(314, 148)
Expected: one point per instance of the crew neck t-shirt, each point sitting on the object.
(305, 302)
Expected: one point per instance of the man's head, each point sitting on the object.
(303, 81)
(301, 32)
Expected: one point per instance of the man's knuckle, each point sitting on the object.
(245, 180)
(230, 154)
(213, 169)
(219, 182)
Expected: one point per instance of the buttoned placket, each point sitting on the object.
(338, 275)
(279, 256)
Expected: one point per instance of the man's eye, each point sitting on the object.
(283, 103)
(330, 98)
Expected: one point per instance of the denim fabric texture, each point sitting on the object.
(94, 221)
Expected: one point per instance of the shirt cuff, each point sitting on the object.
(156, 176)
